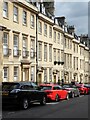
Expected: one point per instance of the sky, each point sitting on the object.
(76, 13)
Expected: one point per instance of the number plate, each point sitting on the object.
(5, 93)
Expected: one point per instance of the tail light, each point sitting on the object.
(81, 88)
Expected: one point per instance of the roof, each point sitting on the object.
(51, 84)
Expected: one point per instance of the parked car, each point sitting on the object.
(22, 94)
(54, 92)
(82, 88)
(88, 87)
(72, 90)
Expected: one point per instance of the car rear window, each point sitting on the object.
(10, 86)
(66, 86)
(46, 87)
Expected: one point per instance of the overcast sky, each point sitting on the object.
(76, 13)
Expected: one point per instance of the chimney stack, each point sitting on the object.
(71, 30)
(60, 20)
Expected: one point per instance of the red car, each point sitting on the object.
(82, 89)
(54, 92)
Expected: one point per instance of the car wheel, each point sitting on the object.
(73, 95)
(85, 92)
(57, 98)
(78, 95)
(67, 97)
(25, 103)
(43, 101)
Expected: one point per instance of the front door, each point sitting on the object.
(54, 78)
(39, 78)
(26, 74)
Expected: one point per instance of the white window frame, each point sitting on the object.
(45, 75)
(16, 71)
(50, 53)
(5, 43)
(40, 51)
(62, 55)
(45, 29)
(54, 52)
(15, 44)
(32, 52)
(5, 77)
(55, 36)
(5, 9)
(62, 38)
(58, 55)
(45, 52)
(24, 17)
(58, 38)
(15, 14)
(50, 74)
(32, 21)
(50, 31)
(40, 27)
(32, 73)
(74, 63)
(24, 46)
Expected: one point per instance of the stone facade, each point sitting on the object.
(35, 48)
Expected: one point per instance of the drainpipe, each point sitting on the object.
(37, 49)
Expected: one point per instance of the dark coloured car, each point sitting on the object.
(72, 90)
(22, 94)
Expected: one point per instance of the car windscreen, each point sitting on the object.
(78, 86)
(10, 86)
(86, 85)
(46, 87)
(66, 86)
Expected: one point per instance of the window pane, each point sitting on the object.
(5, 38)
(5, 9)
(16, 73)
(15, 14)
(45, 75)
(32, 20)
(16, 40)
(5, 74)
(32, 74)
(24, 17)
(45, 52)
(45, 29)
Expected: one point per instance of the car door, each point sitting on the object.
(58, 90)
(37, 94)
(62, 92)
(76, 91)
(27, 91)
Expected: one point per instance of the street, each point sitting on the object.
(73, 108)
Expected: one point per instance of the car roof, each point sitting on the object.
(21, 83)
(51, 84)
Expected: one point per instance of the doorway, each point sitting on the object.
(26, 74)
(54, 79)
(39, 78)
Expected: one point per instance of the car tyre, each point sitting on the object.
(67, 97)
(57, 98)
(73, 95)
(85, 92)
(25, 103)
(78, 95)
(43, 101)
